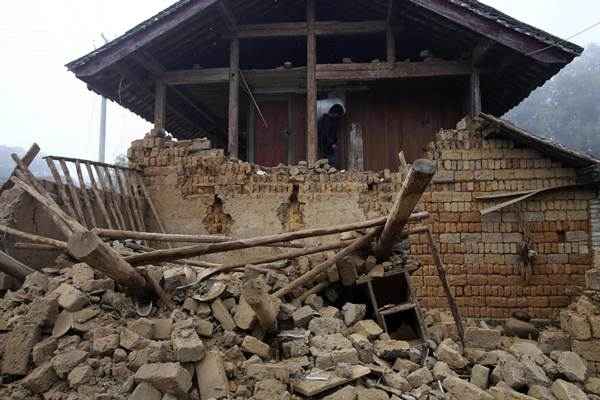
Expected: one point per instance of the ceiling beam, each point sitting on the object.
(326, 72)
(321, 28)
(480, 51)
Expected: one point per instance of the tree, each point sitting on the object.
(121, 160)
(567, 107)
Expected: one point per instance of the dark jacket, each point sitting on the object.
(327, 130)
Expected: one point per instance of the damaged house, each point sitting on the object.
(247, 98)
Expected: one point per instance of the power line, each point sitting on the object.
(589, 28)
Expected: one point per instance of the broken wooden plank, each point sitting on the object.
(123, 190)
(86, 196)
(508, 203)
(108, 195)
(73, 191)
(115, 195)
(415, 183)
(99, 199)
(27, 160)
(60, 185)
(326, 380)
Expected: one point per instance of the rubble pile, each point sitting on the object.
(71, 333)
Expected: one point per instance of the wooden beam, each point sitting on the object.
(160, 106)
(14, 268)
(234, 98)
(228, 16)
(415, 183)
(474, 93)
(390, 37)
(321, 28)
(202, 249)
(399, 70)
(311, 86)
(480, 51)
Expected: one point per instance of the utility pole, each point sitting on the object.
(102, 141)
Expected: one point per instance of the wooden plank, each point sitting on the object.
(228, 16)
(321, 28)
(311, 86)
(116, 196)
(132, 201)
(81, 160)
(27, 160)
(73, 192)
(123, 190)
(148, 198)
(160, 105)
(390, 34)
(138, 199)
(399, 70)
(108, 196)
(311, 388)
(61, 187)
(99, 199)
(234, 98)
(86, 197)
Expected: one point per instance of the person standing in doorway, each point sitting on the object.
(328, 127)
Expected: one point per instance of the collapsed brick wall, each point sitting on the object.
(198, 190)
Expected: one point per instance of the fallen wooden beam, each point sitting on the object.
(418, 178)
(197, 250)
(265, 260)
(35, 239)
(14, 268)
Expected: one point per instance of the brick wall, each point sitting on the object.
(197, 190)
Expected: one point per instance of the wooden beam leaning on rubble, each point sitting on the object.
(27, 160)
(83, 244)
(13, 267)
(198, 250)
(319, 269)
(418, 178)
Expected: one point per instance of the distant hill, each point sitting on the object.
(38, 167)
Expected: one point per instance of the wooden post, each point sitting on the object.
(14, 268)
(475, 93)
(312, 139)
(61, 187)
(160, 106)
(55, 244)
(414, 185)
(234, 97)
(108, 196)
(73, 192)
(390, 44)
(86, 197)
(356, 148)
(437, 259)
(264, 305)
(98, 196)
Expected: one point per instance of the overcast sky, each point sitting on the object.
(40, 101)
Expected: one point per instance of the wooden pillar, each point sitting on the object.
(311, 86)
(474, 93)
(160, 106)
(390, 44)
(234, 98)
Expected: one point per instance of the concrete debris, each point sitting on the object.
(64, 338)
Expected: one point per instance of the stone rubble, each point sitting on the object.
(62, 341)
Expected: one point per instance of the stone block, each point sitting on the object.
(169, 378)
(480, 376)
(254, 346)
(18, 348)
(464, 390)
(391, 349)
(367, 328)
(567, 391)
(41, 379)
(142, 326)
(145, 391)
(71, 298)
(187, 345)
(571, 366)
(65, 362)
(353, 313)
(488, 339)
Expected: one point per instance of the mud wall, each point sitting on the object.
(198, 190)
